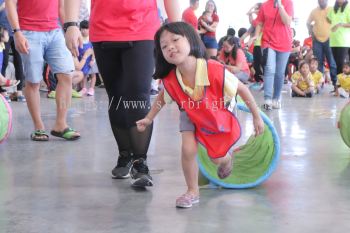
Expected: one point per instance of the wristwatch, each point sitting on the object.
(68, 24)
(15, 30)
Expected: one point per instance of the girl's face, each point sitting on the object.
(5, 36)
(346, 69)
(84, 32)
(210, 6)
(313, 66)
(305, 70)
(227, 47)
(175, 48)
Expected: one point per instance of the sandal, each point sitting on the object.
(10, 83)
(68, 134)
(39, 135)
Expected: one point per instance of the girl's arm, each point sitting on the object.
(156, 107)
(286, 19)
(248, 99)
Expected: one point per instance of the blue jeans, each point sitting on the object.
(322, 50)
(274, 73)
(46, 46)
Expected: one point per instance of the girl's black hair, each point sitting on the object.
(232, 41)
(241, 32)
(337, 6)
(197, 50)
(302, 63)
(2, 30)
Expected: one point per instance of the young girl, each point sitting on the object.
(317, 76)
(343, 82)
(4, 37)
(235, 59)
(302, 83)
(200, 88)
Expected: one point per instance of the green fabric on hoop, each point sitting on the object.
(345, 124)
(251, 161)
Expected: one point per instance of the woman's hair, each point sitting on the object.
(337, 6)
(197, 48)
(233, 41)
(212, 1)
(302, 63)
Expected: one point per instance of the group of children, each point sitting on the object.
(308, 80)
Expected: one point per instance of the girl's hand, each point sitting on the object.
(142, 124)
(258, 125)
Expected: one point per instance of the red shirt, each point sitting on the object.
(217, 129)
(240, 59)
(215, 19)
(38, 15)
(189, 17)
(123, 20)
(276, 34)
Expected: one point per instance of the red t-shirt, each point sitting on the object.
(215, 19)
(189, 17)
(276, 34)
(240, 59)
(38, 15)
(123, 20)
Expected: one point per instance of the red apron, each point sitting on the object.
(217, 129)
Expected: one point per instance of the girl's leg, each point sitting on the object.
(189, 162)
(93, 81)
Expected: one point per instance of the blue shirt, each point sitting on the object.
(4, 21)
(86, 68)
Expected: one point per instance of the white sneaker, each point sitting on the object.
(276, 104)
(267, 105)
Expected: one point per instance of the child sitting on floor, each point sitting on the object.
(343, 82)
(317, 76)
(302, 84)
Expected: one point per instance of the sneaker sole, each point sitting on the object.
(140, 182)
(121, 177)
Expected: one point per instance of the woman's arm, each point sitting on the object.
(286, 19)
(172, 9)
(211, 28)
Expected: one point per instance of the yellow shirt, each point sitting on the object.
(317, 77)
(301, 82)
(321, 27)
(202, 80)
(344, 81)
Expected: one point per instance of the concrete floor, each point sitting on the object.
(64, 187)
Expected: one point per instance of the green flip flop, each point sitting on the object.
(39, 135)
(68, 134)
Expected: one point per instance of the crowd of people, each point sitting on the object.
(76, 51)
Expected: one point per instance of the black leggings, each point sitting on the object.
(258, 63)
(340, 56)
(17, 62)
(126, 69)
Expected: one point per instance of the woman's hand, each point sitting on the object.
(258, 125)
(74, 40)
(143, 123)
(335, 27)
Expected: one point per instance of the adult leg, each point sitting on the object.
(318, 50)
(257, 63)
(331, 62)
(269, 75)
(17, 62)
(281, 63)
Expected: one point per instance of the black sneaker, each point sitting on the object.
(122, 170)
(140, 174)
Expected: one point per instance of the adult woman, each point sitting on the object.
(209, 28)
(123, 48)
(234, 59)
(339, 17)
(274, 20)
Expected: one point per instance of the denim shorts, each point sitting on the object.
(209, 42)
(46, 46)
